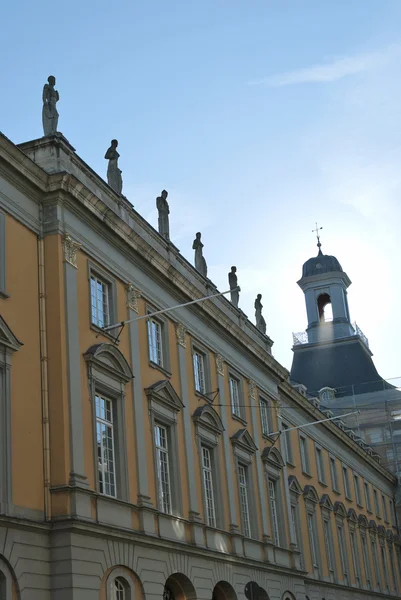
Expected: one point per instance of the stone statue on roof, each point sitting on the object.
(50, 97)
(233, 282)
(200, 262)
(114, 175)
(260, 322)
(164, 211)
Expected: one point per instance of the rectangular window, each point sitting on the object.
(155, 342)
(393, 570)
(357, 490)
(105, 446)
(376, 563)
(243, 492)
(235, 397)
(367, 496)
(392, 512)
(163, 468)
(355, 561)
(199, 372)
(264, 416)
(286, 441)
(376, 500)
(333, 473)
(384, 565)
(320, 465)
(329, 545)
(295, 525)
(273, 510)
(366, 561)
(343, 555)
(100, 302)
(385, 513)
(347, 488)
(303, 448)
(208, 486)
(312, 541)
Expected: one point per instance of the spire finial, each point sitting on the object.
(319, 245)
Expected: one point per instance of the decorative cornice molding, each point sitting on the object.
(132, 297)
(180, 333)
(70, 250)
(219, 364)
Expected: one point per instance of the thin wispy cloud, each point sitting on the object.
(326, 73)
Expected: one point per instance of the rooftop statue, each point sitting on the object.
(114, 177)
(260, 322)
(235, 290)
(50, 97)
(200, 262)
(164, 211)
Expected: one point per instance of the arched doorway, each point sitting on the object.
(224, 591)
(179, 587)
(253, 591)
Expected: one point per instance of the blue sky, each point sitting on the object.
(258, 117)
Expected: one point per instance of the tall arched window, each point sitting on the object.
(324, 308)
(119, 589)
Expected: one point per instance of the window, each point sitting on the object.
(273, 511)
(357, 490)
(105, 446)
(385, 513)
(376, 563)
(199, 371)
(155, 342)
(100, 301)
(393, 570)
(235, 396)
(296, 529)
(286, 441)
(208, 486)
(320, 465)
(355, 561)
(367, 496)
(303, 447)
(163, 468)
(384, 565)
(243, 492)
(264, 416)
(329, 545)
(376, 500)
(312, 540)
(347, 489)
(366, 561)
(392, 512)
(333, 473)
(343, 555)
(119, 590)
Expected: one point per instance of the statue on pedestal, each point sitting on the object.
(235, 290)
(50, 97)
(114, 177)
(164, 211)
(200, 262)
(260, 322)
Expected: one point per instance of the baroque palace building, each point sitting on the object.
(144, 467)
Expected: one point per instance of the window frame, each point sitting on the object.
(385, 511)
(210, 521)
(376, 503)
(383, 555)
(165, 450)
(163, 323)
(126, 580)
(109, 424)
(245, 522)
(321, 475)
(313, 540)
(101, 275)
(333, 470)
(344, 562)
(368, 500)
(286, 449)
(234, 376)
(365, 559)
(376, 566)
(304, 453)
(197, 348)
(346, 482)
(355, 556)
(357, 487)
(266, 408)
(329, 546)
(273, 485)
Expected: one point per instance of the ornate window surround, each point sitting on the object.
(108, 374)
(9, 344)
(273, 465)
(244, 449)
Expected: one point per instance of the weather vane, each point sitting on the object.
(319, 245)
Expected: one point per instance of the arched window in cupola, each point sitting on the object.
(324, 308)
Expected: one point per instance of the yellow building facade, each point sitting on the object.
(139, 462)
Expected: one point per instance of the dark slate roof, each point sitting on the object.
(322, 263)
(337, 365)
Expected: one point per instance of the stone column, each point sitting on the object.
(77, 474)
